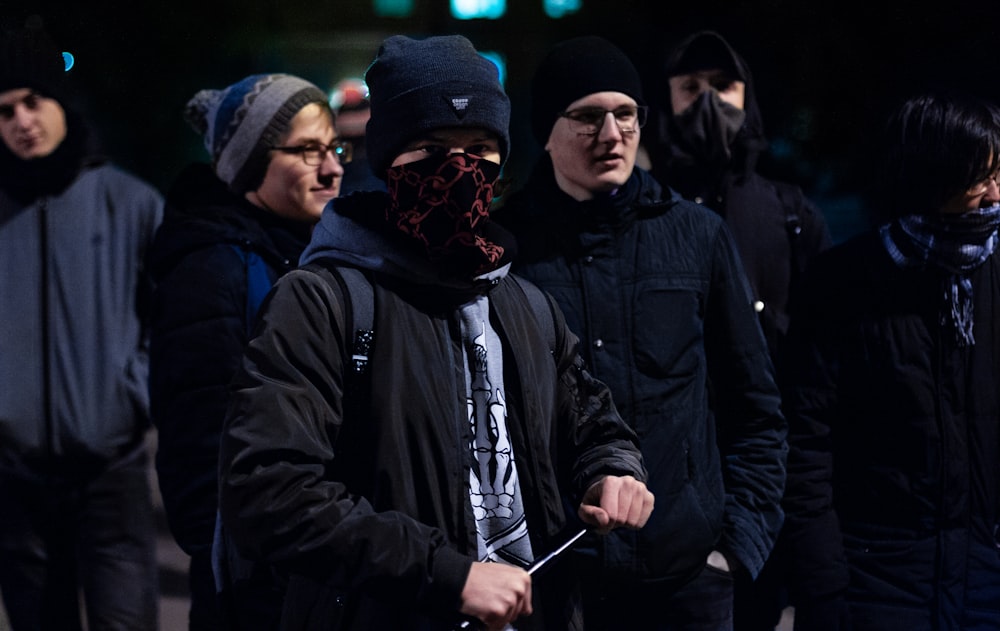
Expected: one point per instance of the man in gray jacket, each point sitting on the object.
(74, 493)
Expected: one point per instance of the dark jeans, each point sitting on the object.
(95, 534)
(758, 604)
(703, 604)
(204, 614)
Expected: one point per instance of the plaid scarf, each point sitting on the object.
(955, 243)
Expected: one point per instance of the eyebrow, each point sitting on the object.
(312, 140)
(433, 137)
(25, 97)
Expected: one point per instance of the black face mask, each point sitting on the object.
(708, 128)
(443, 203)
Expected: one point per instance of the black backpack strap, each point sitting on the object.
(792, 200)
(543, 309)
(360, 297)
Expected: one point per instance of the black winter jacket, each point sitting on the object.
(777, 230)
(893, 486)
(654, 288)
(202, 316)
(365, 503)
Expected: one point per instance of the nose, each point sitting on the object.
(331, 164)
(992, 195)
(22, 116)
(609, 130)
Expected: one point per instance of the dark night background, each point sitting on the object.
(825, 72)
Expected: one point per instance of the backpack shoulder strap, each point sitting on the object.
(360, 298)
(542, 307)
(258, 282)
(359, 310)
(793, 201)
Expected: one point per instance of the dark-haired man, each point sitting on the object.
(74, 489)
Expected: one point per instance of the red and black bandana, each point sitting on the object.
(443, 202)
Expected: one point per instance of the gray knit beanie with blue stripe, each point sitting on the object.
(243, 121)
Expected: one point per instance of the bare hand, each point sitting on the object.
(616, 501)
(497, 594)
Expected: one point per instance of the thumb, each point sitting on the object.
(595, 516)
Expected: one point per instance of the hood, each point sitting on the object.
(751, 140)
(349, 233)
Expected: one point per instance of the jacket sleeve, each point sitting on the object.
(599, 442)
(280, 498)
(751, 427)
(818, 570)
(198, 334)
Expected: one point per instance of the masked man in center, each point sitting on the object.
(418, 493)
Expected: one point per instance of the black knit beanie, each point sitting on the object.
(571, 70)
(29, 59)
(420, 85)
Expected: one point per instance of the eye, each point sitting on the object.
(31, 101)
(723, 84)
(6, 112)
(624, 113)
(590, 116)
(480, 149)
(691, 86)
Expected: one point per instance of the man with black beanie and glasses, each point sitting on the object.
(655, 289)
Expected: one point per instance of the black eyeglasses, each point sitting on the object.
(588, 121)
(314, 153)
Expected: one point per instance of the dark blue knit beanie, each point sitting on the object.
(417, 85)
(571, 70)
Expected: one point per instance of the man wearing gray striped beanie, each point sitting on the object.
(230, 230)
(243, 121)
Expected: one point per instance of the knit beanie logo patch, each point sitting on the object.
(459, 105)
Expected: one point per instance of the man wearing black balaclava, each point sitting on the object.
(709, 138)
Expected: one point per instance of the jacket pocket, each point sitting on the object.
(667, 329)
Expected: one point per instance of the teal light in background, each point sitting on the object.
(393, 8)
(559, 8)
(473, 9)
(68, 61)
(499, 61)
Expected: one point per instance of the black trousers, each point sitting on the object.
(90, 534)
